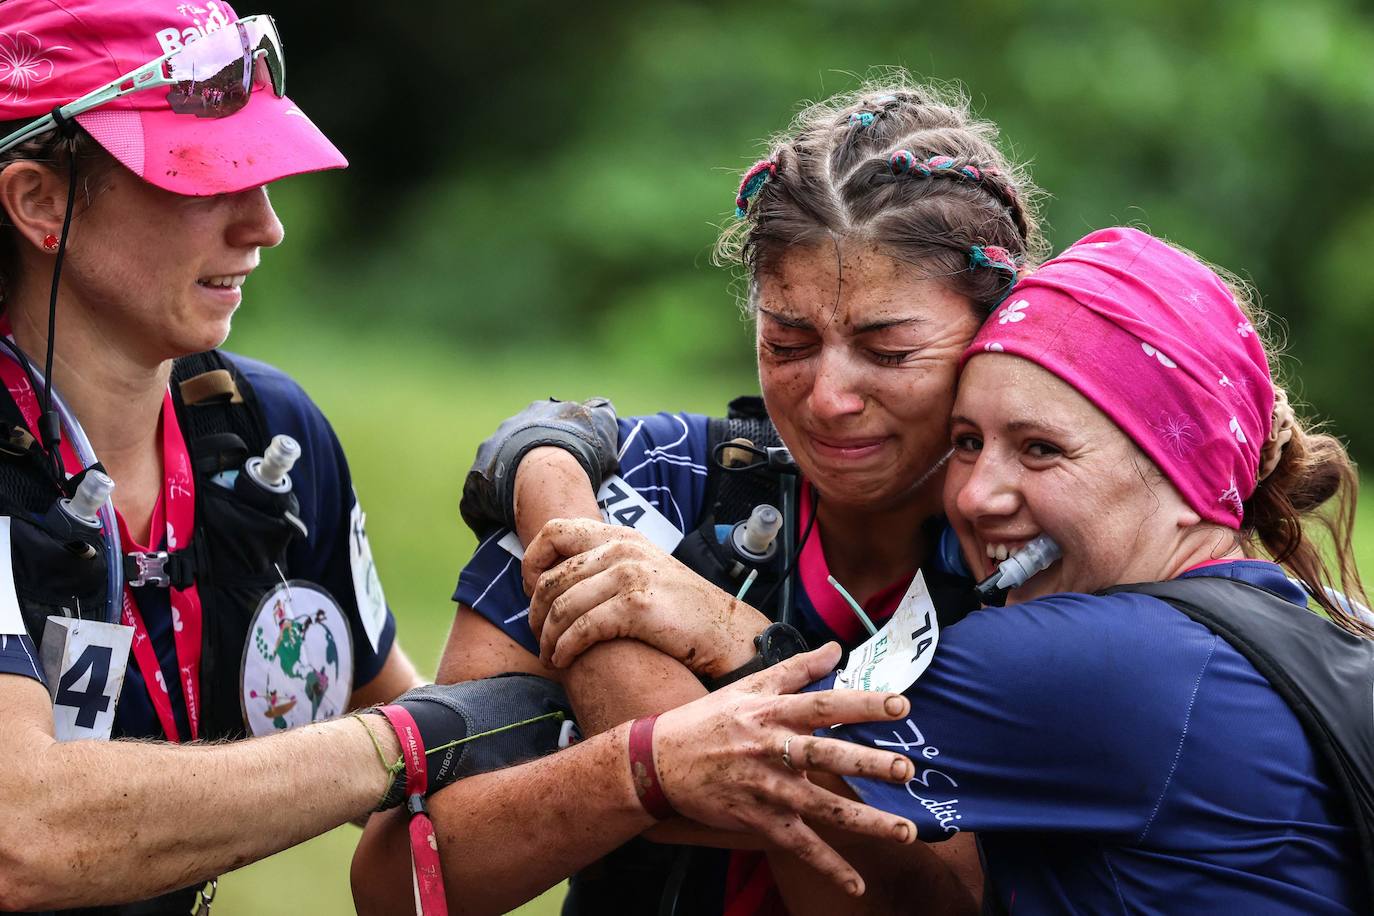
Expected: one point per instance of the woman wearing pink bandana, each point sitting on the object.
(1111, 752)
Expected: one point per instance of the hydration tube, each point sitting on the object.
(1017, 569)
(114, 554)
(790, 494)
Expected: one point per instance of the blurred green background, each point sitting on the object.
(535, 189)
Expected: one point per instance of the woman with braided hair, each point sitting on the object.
(882, 228)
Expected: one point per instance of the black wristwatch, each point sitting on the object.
(778, 642)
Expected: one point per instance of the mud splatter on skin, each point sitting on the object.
(877, 369)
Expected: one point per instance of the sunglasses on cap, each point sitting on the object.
(211, 77)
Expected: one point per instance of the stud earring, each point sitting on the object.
(50, 243)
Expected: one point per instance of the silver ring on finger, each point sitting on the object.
(787, 752)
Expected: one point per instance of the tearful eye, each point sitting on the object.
(967, 442)
(785, 350)
(1042, 450)
(890, 357)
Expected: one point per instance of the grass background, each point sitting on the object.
(410, 412)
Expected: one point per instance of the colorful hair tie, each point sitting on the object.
(752, 183)
(998, 258)
(941, 162)
(861, 119)
(902, 161)
(972, 172)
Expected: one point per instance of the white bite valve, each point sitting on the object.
(276, 462)
(754, 538)
(90, 495)
(1017, 569)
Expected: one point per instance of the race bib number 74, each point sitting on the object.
(621, 504)
(898, 654)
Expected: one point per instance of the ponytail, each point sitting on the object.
(1311, 490)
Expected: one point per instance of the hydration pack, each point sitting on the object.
(237, 550)
(1324, 673)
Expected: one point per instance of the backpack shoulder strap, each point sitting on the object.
(219, 413)
(26, 483)
(732, 495)
(1324, 673)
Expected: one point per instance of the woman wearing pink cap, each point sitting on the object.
(1156, 722)
(225, 588)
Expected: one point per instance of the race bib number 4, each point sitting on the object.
(621, 504)
(84, 662)
(898, 654)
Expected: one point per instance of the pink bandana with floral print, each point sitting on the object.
(1156, 341)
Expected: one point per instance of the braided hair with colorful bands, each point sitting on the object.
(832, 177)
(997, 258)
(904, 162)
(752, 183)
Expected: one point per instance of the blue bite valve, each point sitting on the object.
(1018, 569)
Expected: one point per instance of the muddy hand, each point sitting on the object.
(621, 586)
(720, 760)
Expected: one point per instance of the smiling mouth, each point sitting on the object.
(227, 281)
(998, 551)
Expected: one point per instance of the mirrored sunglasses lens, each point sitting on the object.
(270, 64)
(212, 78)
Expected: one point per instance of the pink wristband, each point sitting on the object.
(643, 772)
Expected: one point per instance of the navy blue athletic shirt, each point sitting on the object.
(1114, 756)
(663, 456)
(325, 490)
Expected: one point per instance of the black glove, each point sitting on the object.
(586, 430)
(475, 712)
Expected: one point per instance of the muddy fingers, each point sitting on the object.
(791, 834)
(608, 620)
(794, 673)
(823, 708)
(845, 758)
(821, 806)
(579, 599)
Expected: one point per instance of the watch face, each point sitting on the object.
(780, 642)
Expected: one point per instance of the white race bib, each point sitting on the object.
(621, 504)
(298, 661)
(84, 662)
(11, 620)
(898, 654)
(367, 585)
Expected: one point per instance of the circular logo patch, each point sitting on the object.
(298, 661)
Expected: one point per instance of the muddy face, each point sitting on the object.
(857, 363)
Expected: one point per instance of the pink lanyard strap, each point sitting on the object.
(178, 501)
(179, 507)
(424, 845)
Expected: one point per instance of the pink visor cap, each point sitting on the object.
(1156, 341)
(54, 51)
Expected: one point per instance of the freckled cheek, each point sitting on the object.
(923, 410)
(784, 386)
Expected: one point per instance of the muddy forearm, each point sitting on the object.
(550, 484)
